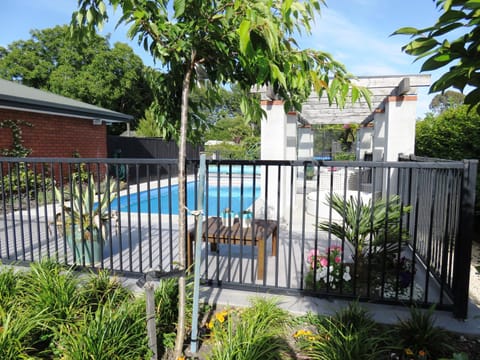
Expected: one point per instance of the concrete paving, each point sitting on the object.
(384, 314)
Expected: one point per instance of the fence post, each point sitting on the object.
(463, 244)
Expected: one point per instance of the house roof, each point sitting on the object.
(20, 97)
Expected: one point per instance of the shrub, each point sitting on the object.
(22, 181)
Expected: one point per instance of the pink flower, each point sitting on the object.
(312, 255)
(334, 248)
(323, 261)
(338, 259)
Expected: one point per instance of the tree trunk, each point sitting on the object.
(181, 208)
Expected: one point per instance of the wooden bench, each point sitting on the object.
(256, 234)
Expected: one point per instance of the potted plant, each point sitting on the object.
(228, 216)
(247, 218)
(85, 219)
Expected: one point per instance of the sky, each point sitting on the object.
(355, 32)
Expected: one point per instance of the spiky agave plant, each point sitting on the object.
(86, 209)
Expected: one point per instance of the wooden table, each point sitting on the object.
(218, 233)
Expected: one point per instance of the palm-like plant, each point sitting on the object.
(376, 224)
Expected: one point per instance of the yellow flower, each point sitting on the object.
(408, 352)
(211, 324)
(301, 333)
(181, 358)
(220, 317)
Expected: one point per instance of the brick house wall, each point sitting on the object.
(56, 136)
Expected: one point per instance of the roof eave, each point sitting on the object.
(24, 104)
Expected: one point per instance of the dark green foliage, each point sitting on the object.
(91, 71)
(51, 289)
(166, 302)
(356, 316)
(374, 223)
(8, 286)
(451, 135)
(17, 149)
(451, 42)
(349, 334)
(248, 150)
(111, 332)
(23, 182)
(49, 312)
(446, 100)
(418, 332)
(100, 289)
(18, 332)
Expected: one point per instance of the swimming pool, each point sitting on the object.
(161, 200)
(234, 169)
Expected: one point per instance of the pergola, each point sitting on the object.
(388, 127)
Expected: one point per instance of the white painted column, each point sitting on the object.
(305, 143)
(273, 131)
(379, 123)
(400, 126)
(278, 142)
(400, 121)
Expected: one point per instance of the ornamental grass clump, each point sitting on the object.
(101, 288)
(9, 281)
(348, 335)
(417, 337)
(49, 312)
(110, 333)
(257, 332)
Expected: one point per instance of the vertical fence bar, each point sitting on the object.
(149, 218)
(463, 245)
(4, 207)
(159, 216)
(290, 225)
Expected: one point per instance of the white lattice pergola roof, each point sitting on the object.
(318, 111)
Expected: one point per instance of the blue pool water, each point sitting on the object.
(164, 201)
(234, 169)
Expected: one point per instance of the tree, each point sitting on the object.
(148, 125)
(451, 135)
(93, 72)
(446, 100)
(453, 40)
(246, 42)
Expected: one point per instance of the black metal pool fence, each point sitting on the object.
(386, 232)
